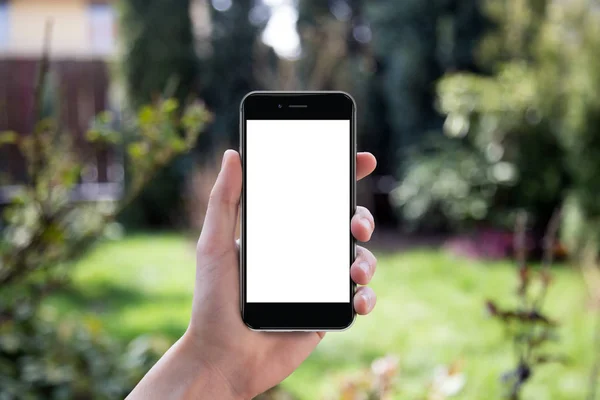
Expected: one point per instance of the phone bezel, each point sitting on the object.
(310, 106)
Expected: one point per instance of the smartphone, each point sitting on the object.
(298, 152)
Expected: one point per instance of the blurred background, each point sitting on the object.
(485, 119)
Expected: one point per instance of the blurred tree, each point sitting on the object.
(388, 56)
(158, 57)
(414, 44)
(516, 26)
(405, 42)
(229, 67)
(158, 50)
(569, 83)
(336, 55)
(536, 118)
(333, 57)
(498, 156)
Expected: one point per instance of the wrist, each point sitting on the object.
(212, 381)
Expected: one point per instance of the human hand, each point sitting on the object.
(229, 359)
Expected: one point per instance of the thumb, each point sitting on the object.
(218, 231)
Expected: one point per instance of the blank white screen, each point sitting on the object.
(298, 211)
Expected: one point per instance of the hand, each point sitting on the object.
(242, 363)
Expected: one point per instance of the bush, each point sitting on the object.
(44, 230)
(160, 34)
(161, 203)
(499, 155)
(41, 357)
(535, 119)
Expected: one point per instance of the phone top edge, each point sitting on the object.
(297, 92)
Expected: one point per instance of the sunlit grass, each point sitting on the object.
(430, 312)
(143, 284)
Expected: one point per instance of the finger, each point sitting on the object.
(365, 165)
(218, 231)
(363, 268)
(303, 344)
(362, 224)
(364, 300)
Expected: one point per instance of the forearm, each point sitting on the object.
(181, 374)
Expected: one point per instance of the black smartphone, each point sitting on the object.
(298, 152)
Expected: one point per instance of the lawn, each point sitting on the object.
(430, 312)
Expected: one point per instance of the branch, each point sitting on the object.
(40, 85)
(19, 268)
(520, 245)
(548, 258)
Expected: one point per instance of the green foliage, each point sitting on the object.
(158, 50)
(414, 44)
(408, 67)
(45, 228)
(228, 70)
(499, 154)
(8, 137)
(539, 111)
(158, 58)
(159, 136)
(332, 58)
(41, 357)
(155, 153)
(571, 49)
(446, 181)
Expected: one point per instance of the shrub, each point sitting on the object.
(499, 155)
(528, 328)
(44, 230)
(41, 357)
(534, 119)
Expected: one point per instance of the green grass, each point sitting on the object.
(430, 312)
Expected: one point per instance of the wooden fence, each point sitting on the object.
(81, 92)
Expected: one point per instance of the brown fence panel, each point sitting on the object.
(81, 93)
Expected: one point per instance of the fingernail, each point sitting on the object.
(366, 223)
(223, 160)
(367, 300)
(366, 268)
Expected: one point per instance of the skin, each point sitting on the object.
(218, 356)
